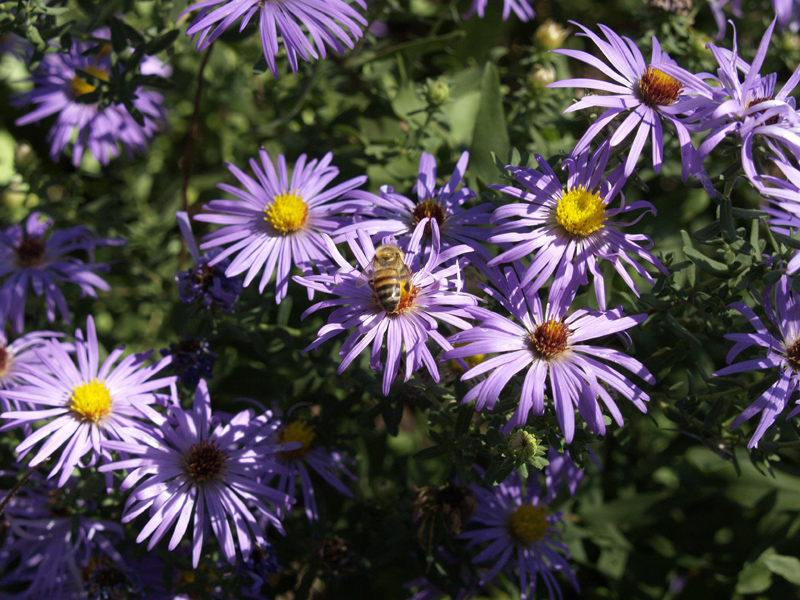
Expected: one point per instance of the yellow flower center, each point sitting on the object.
(656, 88)
(81, 87)
(92, 400)
(528, 524)
(287, 213)
(549, 340)
(297, 431)
(581, 212)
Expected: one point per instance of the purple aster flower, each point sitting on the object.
(18, 356)
(307, 456)
(571, 225)
(782, 202)
(521, 8)
(84, 403)
(28, 256)
(429, 296)
(749, 109)
(782, 307)
(203, 282)
(276, 221)
(192, 360)
(332, 23)
(393, 214)
(645, 90)
(195, 467)
(549, 343)
(50, 543)
(522, 535)
(56, 87)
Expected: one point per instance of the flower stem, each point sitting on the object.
(18, 486)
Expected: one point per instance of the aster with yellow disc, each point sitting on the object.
(522, 534)
(277, 220)
(80, 402)
(573, 224)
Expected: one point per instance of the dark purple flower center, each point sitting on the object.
(658, 89)
(793, 356)
(30, 252)
(103, 574)
(549, 340)
(756, 102)
(205, 461)
(428, 208)
(203, 275)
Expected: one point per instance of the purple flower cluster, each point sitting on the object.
(52, 547)
(749, 109)
(431, 295)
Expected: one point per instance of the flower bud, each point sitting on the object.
(550, 35)
(522, 446)
(437, 93)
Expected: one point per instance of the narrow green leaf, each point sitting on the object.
(491, 132)
(432, 452)
(727, 226)
(709, 265)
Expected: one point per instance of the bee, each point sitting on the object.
(387, 275)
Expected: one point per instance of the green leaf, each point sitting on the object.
(490, 134)
(727, 226)
(162, 42)
(432, 452)
(463, 421)
(755, 577)
(709, 265)
(787, 567)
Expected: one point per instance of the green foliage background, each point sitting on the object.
(679, 509)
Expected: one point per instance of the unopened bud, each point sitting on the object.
(437, 93)
(522, 446)
(24, 156)
(550, 35)
(540, 76)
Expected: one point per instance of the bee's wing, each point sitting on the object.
(365, 276)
